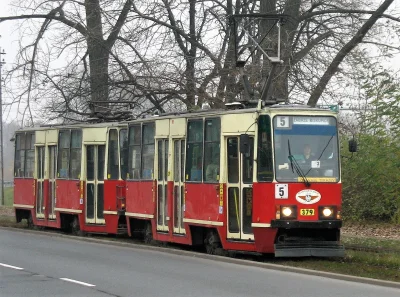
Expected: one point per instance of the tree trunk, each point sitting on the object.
(98, 57)
(190, 60)
(288, 31)
(226, 87)
(279, 87)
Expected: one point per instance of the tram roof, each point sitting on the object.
(188, 114)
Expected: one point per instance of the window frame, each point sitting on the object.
(140, 144)
(31, 149)
(69, 150)
(212, 142)
(190, 156)
(134, 145)
(269, 141)
(19, 149)
(115, 156)
(72, 148)
(21, 139)
(152, 127)
(123, 157)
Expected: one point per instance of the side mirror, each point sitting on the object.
(352, 145)
(245, 144)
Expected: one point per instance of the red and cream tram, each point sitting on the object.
(263, 180)
(61, 180)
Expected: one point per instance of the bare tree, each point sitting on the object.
(157, 55)
(90, 30)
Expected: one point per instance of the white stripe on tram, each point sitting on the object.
(77, 282)
(10, 266)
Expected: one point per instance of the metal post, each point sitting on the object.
(2, 201)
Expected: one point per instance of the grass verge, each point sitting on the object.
(7, 221)
(8, 196)
(357, 263)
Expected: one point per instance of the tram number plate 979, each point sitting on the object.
(307, 212)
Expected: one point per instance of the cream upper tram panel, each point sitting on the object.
(238, 123)
(94, 135)
(178, 127)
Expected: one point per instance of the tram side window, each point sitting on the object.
(212, 150)
(113, 162)
(135, 140)
(148, 151)
(194, 154)
(76, 153)
(264, 149)
(19, 160)
(63, 154)
(24, 155)
(123, 152)
(29, 154)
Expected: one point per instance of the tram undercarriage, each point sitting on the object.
(308, 242)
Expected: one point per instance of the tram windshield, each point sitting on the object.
(306, 149)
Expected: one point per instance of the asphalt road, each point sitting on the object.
(42, 265)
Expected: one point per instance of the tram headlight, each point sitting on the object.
(327, 212)
(288, 212)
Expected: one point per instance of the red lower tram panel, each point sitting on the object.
(306, 222)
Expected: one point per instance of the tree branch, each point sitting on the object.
(181, 33)
(347, 48)
(304, 51)
(308, 15)
(119, 24)
(79, 27)
(141, 88)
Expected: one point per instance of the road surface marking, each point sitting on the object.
(77, 282)
(13, 267)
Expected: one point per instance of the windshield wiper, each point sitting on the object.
(290, 155)
(296, 166)
(329, 141)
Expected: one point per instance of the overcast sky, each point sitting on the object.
(9, 35)
(8, 42)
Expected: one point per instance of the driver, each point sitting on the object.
(307, 154)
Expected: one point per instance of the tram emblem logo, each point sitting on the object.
(308, 196)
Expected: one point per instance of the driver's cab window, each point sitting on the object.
(264, 149)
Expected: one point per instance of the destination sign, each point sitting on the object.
(310, 121)
(318, 179)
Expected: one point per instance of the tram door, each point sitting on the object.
(162, 181)
(240, 190)
(178, 162)
(52, 180)
(40, 157)
(95, 158)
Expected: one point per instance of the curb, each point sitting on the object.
(222, 259)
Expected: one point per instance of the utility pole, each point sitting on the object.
(2, 201)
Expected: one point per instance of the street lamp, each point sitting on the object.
(2, 201)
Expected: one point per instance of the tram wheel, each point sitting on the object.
(148, 233)
(75, 228)
(213, 244)
(29, 221)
